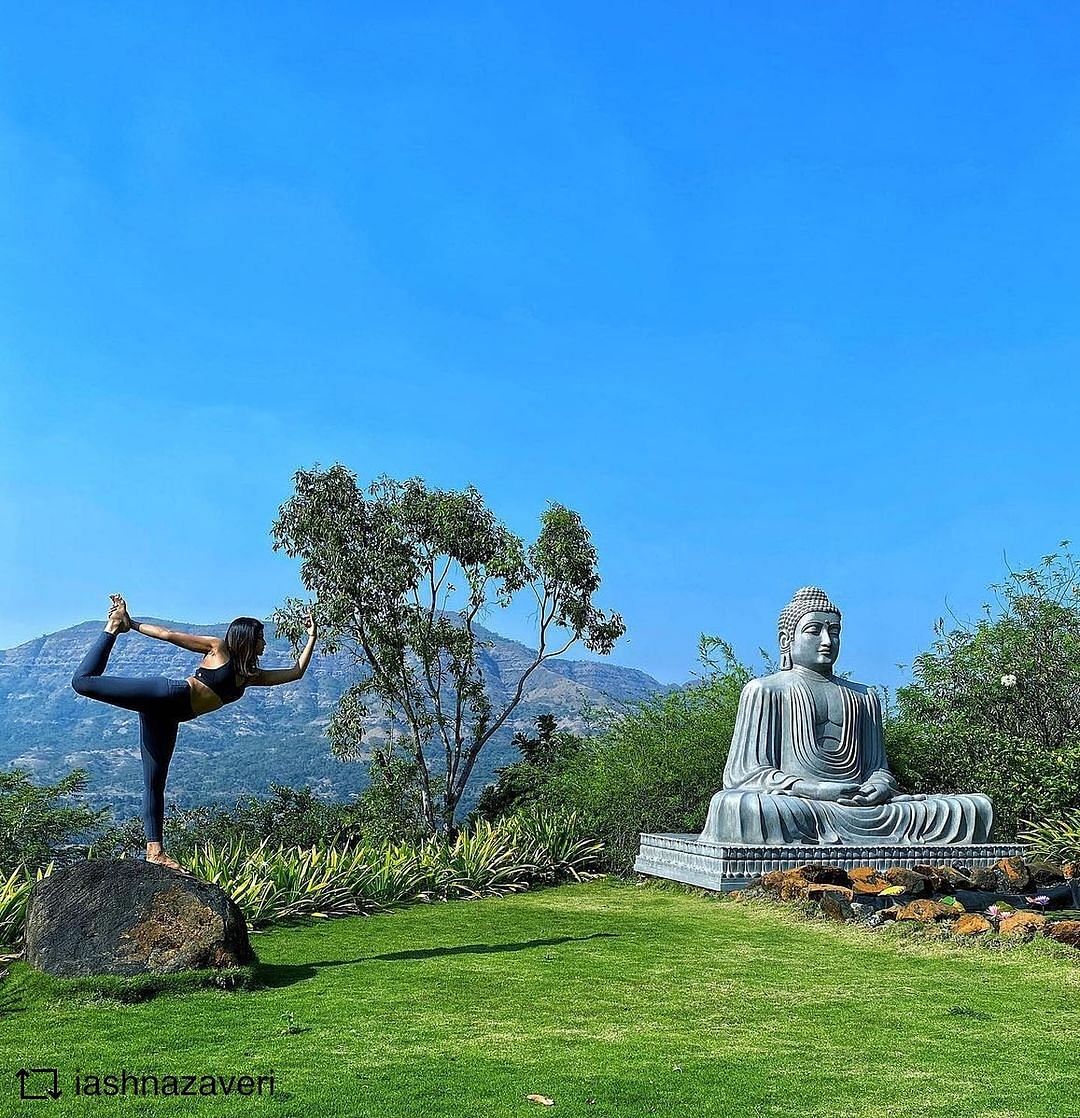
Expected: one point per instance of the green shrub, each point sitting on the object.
(271, 883)
(1055, 840)
(287, 817)
(521, 783)
(657, 766)
(995, 705)
(35, 823)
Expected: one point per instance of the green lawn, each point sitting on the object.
(610, 998)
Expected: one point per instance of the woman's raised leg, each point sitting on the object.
(152, 695)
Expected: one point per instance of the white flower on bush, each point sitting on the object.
(1008, 680)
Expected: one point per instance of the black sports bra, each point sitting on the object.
(222, 681)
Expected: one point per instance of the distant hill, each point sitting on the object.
(272, 734)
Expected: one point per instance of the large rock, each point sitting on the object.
(1044, 874)
(914, 884)
(1015, 873)
(131, 917)
(867, 881)
(1064, 931)
(972, 924)
(1023, 924)
(927, 910)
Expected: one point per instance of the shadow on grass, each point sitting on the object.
(276, 975)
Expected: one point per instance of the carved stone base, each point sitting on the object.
(723, 866)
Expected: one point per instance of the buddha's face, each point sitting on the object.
(815, 644)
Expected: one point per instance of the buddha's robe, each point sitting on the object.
(777, 742)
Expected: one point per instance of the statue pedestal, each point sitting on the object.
(726, 866)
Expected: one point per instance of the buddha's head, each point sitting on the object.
(809, 631)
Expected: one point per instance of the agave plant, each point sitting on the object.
(486, 861)
(14, 893)
(1056, 840)
(554, 841)
(271, 883)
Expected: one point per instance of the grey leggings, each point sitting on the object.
(162, 704)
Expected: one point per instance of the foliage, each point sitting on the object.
(995, 705)
(657, 766)
(402, 573)
(520, 783)
(271, 882)
(287, 817)
(390, 808)
(33, 821)
(1057, 840)
(14, 894)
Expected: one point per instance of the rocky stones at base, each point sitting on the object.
(1026, 924)
(867, 881)
(914, 884)
(926, 910)
(972, 924)
(1064, 931)
(938, 894)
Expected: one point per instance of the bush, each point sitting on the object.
(995, 705)
(34, 824)
(271, 882)
(1055, 840)
(657, 766)
(287, 817)
(520, 784)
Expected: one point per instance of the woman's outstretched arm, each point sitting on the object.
(191, 641)
(270, 677)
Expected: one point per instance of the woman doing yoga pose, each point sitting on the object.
(228, 667)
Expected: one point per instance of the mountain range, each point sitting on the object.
(272, 734)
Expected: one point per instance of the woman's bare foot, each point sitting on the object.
(118, 615)
(155, 854)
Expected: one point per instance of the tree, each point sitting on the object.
(656, 767)
(520, 782)
(386, 565)
(995, 705)
(34, 822)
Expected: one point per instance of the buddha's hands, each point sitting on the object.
(835, 790)
(867, 795)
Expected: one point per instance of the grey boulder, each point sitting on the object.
(129, 917)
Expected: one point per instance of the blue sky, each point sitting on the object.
(771, 294)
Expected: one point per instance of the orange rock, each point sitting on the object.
(910, 881)
(972, 924)
(926, 910)
(818, 890)
(867, 881)
(1064, 931)
(819, 874)
(1022, 924)
(792, 886)
(1015, 873)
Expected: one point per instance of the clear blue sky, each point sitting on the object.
(770, 293)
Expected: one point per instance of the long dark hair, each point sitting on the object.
(241, 639)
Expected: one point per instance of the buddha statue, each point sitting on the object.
(807, 762)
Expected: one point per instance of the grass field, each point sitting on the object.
(610, 998)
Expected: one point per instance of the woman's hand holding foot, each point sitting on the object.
(118, 615)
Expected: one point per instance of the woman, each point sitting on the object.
(228, 667)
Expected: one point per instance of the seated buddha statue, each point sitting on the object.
(807, 762)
